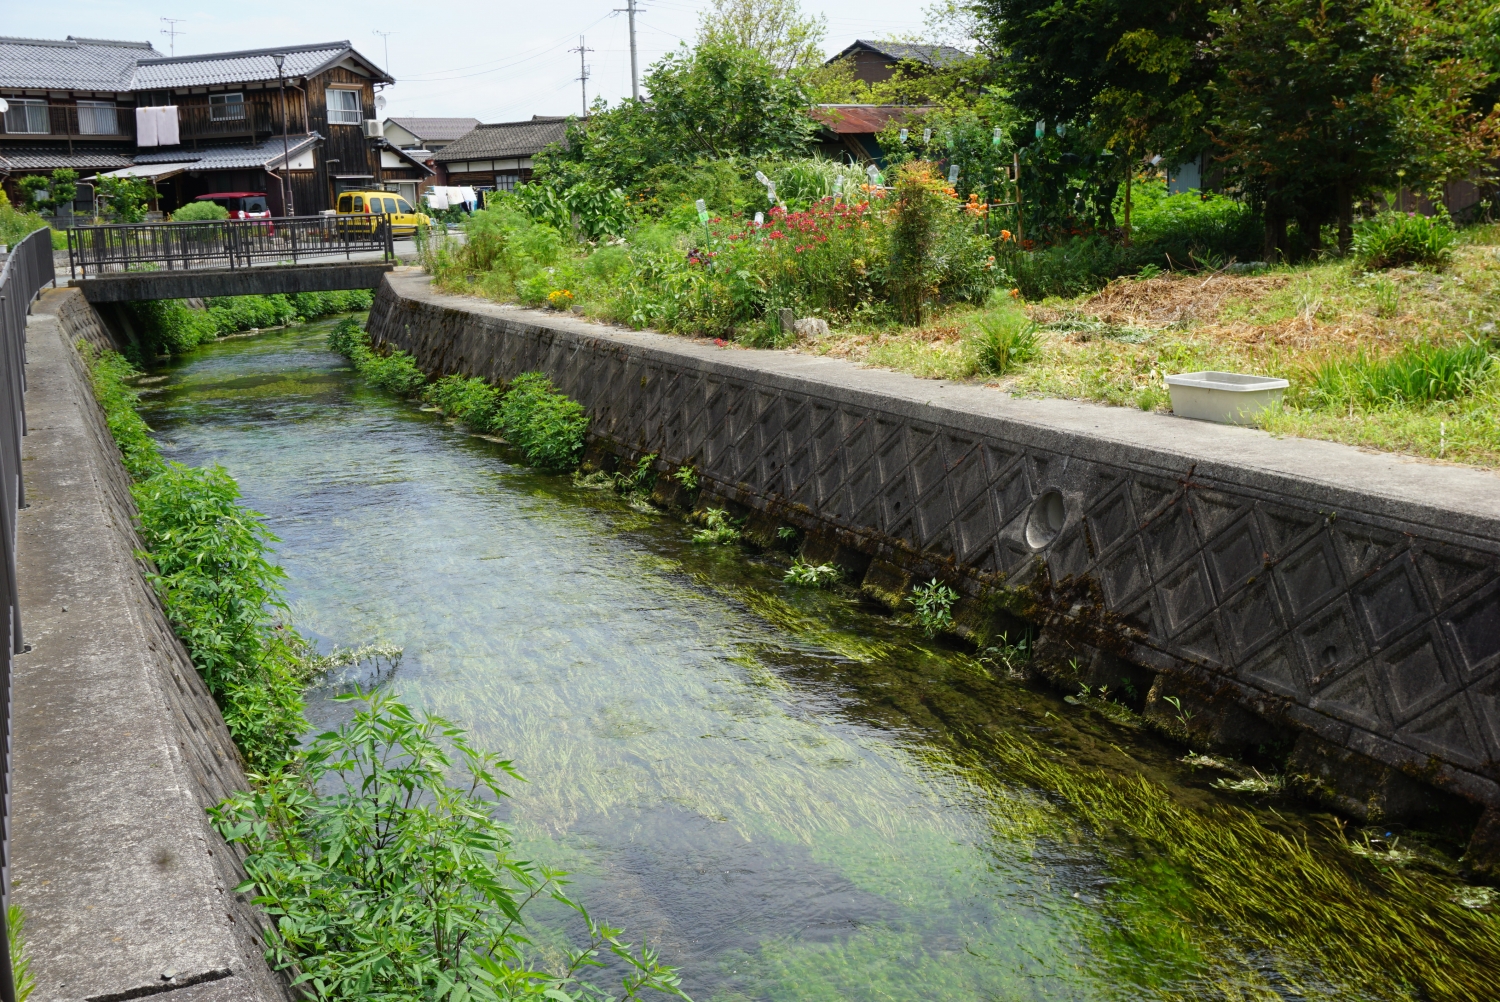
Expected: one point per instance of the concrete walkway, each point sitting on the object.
(126, 889)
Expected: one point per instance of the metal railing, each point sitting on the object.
(26, 270)
(230, 243)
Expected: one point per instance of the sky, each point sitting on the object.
(498, 64)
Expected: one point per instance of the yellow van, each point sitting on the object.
(404, 219)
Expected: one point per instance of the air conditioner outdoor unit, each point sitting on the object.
(373, 129)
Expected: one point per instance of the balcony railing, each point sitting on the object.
(51, 121)
(33, 120)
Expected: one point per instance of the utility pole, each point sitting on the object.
(583, 73)
(171, 31)
(635, 85)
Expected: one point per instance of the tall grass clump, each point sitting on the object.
(1418, 374)
(467, 399)
(1003, 340)
(394, 370)
(377, 852)
(1397, 239)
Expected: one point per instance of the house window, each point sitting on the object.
(506, 182)
(344, 107)
(97, 118)
(27, 117)
(226, 107)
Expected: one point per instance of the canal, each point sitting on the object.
(792, 796)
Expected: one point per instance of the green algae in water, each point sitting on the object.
(793, 798)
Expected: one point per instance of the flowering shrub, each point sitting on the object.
(832, 259)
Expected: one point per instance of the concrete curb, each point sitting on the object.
(118, 745)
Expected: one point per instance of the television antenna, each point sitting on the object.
(583, 73)
(172, 31)
(385, 36)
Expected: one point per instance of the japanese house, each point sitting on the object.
(430, 134)
(498, 157)
(228, 121)
(875, 62)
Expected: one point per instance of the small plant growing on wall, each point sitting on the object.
(933, 602)
(807, 575)
(717, 529)
(687, 477)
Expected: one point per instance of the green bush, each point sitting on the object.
(108, 373)
(170, 327)
(472, 401)
(1190, 230)
(1418, 374)
(232, 314)
(395, 371)
(219, 589)
(933, 603)
(545, 425)
(1395, 239)
(388, 882)
(200, 212)
(16, 225)
(1072, 268)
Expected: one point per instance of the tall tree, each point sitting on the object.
(777, 29)
(1131, 74)
(1324, 102)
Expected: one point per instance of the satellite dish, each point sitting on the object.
(4, 106)
(379, 102)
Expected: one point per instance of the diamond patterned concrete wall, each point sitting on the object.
(1370, 625)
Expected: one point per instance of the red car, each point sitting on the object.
(241, 204)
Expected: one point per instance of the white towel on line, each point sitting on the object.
(145, 127)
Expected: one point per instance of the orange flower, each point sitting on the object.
(1005, 235)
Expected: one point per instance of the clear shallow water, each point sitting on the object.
(775, 787)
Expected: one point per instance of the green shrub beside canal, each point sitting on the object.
(546, 426)
(171, 327)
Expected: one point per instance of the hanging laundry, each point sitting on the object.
(145, 127)
(166, 126)
(437, 197)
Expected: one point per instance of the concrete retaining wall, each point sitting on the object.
(118, 746)
(1289, 586)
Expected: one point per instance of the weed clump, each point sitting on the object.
(171, 327)
(718, 529)
(547, 426)
(1398, 239)
(933, 604)
(388, 881)
(1004, 340)
(806, 575)
(1418, 374)
(395, 371)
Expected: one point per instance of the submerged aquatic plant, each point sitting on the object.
(933, 603)
(1248, 902)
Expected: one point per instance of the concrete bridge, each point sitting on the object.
(196, 260)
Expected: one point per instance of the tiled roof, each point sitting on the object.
(70, 64)
(53, 159)
(437, 128)
(861, 118)
(230, 157)
(505, 139)
(243, 67)
(932, 55)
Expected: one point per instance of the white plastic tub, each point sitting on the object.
(1225, 397)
